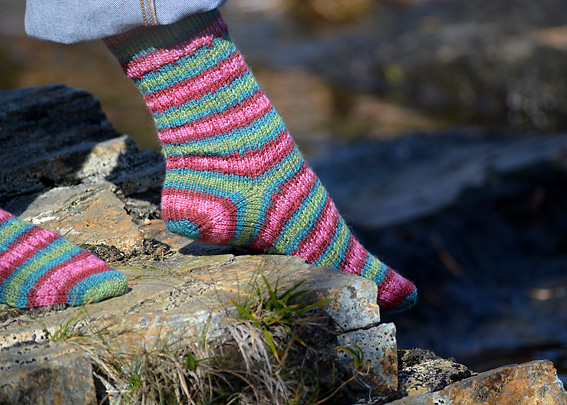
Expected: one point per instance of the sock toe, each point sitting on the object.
(40, 268)
(395, 293)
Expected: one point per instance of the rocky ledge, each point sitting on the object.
(195, 314)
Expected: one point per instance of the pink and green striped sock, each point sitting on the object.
(234, 174)
(40, 268)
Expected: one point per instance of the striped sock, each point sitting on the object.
(39, 268)
(234, 175)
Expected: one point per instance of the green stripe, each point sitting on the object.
(303, 219)
(248, 138)
(188, 67)
(210, 105)
(332, 256)
(11, 229)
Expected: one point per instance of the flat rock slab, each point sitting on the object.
(90, 214)
(48, 373)
(530, 383)
(163, 304)
(197, 300)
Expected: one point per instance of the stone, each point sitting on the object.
(535, 382)
(421, 371)
(104, 193)
(64, 138)
(46, 373)
(353, 304)
(383, 184)
(186, 296)
(352, 298)
(90, 214)
(378, 347)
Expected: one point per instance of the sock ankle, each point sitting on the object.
(40, 268)
(233, 173)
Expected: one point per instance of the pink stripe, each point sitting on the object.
(316, 242)
(215, 215)
(53, 287)
(5, 215)
(197, 86)
(252, 163)
(393, 290)
(282, 207)
(235, 117)
(27, 245)
(136, 68)
(355, 257)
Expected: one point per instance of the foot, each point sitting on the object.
(234, 174)
(40, 268)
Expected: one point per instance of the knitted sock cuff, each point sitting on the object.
(195, 30)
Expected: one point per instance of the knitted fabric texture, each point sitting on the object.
(234, 174)
(39, 268)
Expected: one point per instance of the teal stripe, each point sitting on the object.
(184, 227)
(408, 303)
(380, 274)
(261, 143)
(344, 248)
(293, 245)
(8, 222)
(16, 272)
(212, 177)
(336, 263)
(208, 188)
(323, 256)
(226, 93)
(241, 226)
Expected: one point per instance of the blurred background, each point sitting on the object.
(374, 88)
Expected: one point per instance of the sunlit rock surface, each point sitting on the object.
(178, 288)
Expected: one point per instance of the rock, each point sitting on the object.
(421, 371)
(47, 373)
(378, 348)
(529, 383)
(90, 214)
(63, 138)
(188, 291)
(379, 184)
(181, 290)
(191, 297)
(352, 305)
(467, 217)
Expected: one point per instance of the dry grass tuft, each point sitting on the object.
(278, 348)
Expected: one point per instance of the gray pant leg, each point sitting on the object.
(69, 21)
